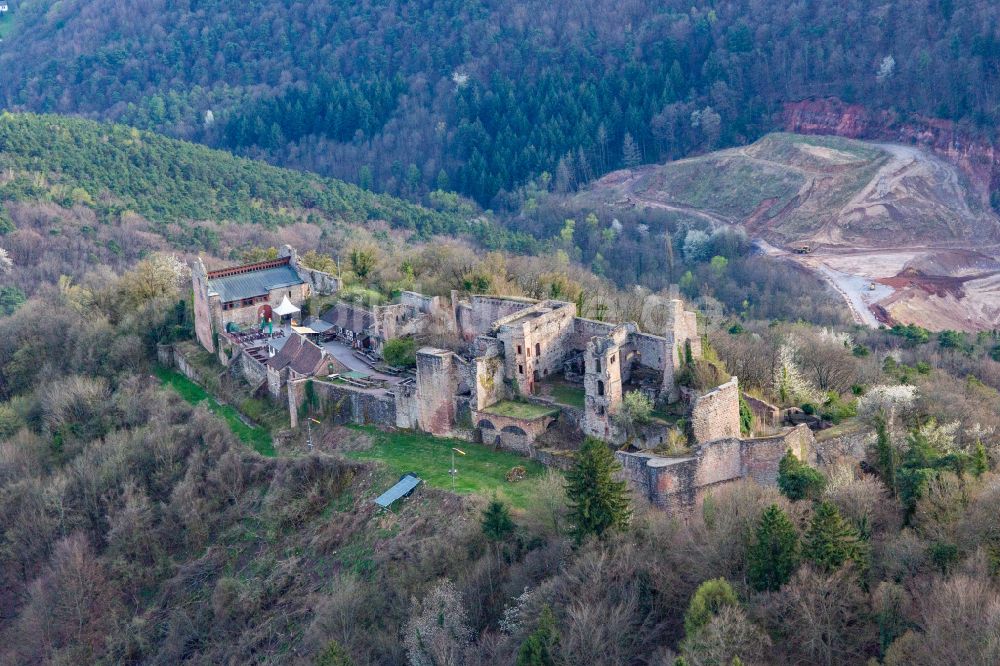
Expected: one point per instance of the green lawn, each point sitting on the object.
(480, 470)
(258, 439)
(520, 410)
(568, 394)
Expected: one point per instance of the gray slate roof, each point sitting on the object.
(297, 354)
(349, 317)
(256, 283)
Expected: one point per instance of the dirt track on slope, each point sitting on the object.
(951, 284)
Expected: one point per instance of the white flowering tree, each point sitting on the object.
(789, 383)
(438, 632)
(888, 402)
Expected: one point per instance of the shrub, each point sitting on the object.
(710, 598)
(400, 352)
(797, 480)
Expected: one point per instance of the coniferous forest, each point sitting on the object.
(484, 97)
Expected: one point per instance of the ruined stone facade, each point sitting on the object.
(678, 483)
(414, 315)
(716, 414)
(513, 347)
(681, 335)
(603, 381)
(535, 341)
(510, 434)
(437, 382)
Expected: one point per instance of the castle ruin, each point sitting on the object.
(505, 371)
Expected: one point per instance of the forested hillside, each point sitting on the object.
(137, 529)
(481, 97)
(75, 193)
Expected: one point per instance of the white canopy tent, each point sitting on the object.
(286, 308)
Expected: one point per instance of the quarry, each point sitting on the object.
(903, 232)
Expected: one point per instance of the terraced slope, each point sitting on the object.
(900, 233)
(817, 190)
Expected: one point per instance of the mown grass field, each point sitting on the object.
(257, 438)
(480, 471)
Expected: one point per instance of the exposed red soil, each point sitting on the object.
(935, 285)
(882, 315)
(978, 157)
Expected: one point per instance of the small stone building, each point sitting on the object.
(297, 358)
(351, 323)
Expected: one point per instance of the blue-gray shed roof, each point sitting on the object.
(402, 488)
(255, 283)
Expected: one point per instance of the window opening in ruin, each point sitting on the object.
(600, 387)
(520, 369)
(519, 349)
(597, 364)
(612, 360)
(538, 349)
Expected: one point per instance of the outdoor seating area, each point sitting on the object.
(359, 380)
(253, 338)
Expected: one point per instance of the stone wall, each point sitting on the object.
(319, 282)
(275, 380)
(585, 329)
(344, 404)
(761, 455)
(514, 435)
(253, 371)
(848, 447)
(602, 382)
(557, 459)
(420, 302)
(477, 316)
(436, 388)
(407, 406)
(765, 414)
(679, 483)
(716, 414)
(668, 483)
(680, 331)
(203, 319)
(653, 350)
(535, 342)
(489, 387)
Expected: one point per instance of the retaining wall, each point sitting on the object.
(679, 483)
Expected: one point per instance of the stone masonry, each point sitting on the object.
(436, 387)
(678, 483)
(716, 414)
(603, 382)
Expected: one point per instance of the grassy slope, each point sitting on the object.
(256, 438)
(481, 470)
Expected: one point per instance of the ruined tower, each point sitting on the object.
(603, 382)
(681, 332)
